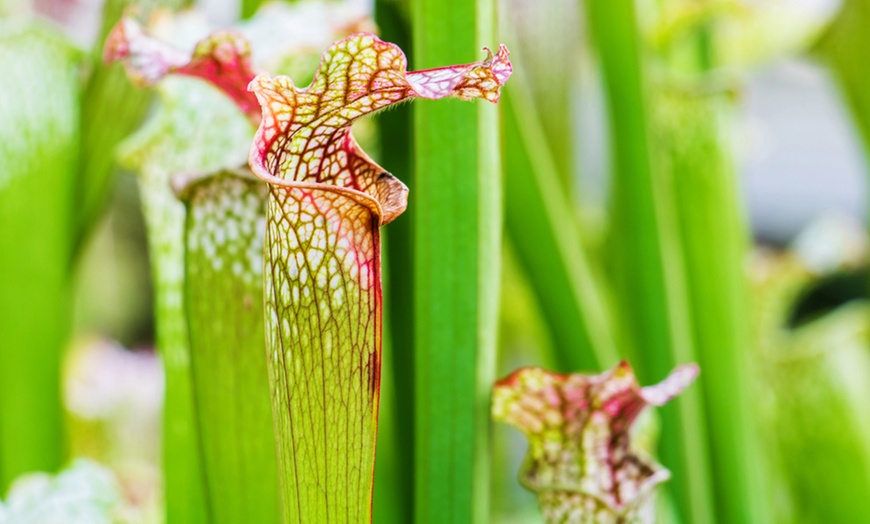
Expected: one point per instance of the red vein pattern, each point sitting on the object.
(580, 461)
(323, 295)
(223, 59)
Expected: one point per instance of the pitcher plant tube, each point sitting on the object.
(323, 271)
(580, 462)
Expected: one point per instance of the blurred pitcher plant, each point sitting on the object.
(581, 462)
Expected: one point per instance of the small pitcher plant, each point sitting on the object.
(580, 461)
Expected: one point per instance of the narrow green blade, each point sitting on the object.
(843, 48)
(541, 224)
(646, 254)
(457, 228)
(692, 137)
(39, 143)
(395, 134)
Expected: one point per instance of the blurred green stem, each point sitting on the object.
(541, 224)
(39, 145)
(457, 202)
(646, 256)
(692, 139)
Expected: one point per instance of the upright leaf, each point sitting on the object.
(394, 484)
(694, 148)
(541, 223)
(224, 292)
(841, 47)
(323, 286)
(457, 232)
(646, 253)
(39, 144)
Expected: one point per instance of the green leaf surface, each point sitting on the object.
(842, 47)
(394, 487)
(39, 144)
(196, 129)
(692, 139)
(224, 295)
(457, 228)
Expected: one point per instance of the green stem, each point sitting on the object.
(714, 237)
(843, 48)
(396, 426)
(647, 256)
(541, 224)
(457, 229)
(39, 146)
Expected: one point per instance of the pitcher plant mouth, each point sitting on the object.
(581, 462)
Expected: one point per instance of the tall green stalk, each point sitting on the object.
(541, 224)
(39, 146)
(457, 200)
(396, 425)
(843, 48)
(693, 141)
(646, 255)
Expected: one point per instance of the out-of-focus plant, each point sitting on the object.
(677, 233)
(581, 462)
(811, 376)
(841, 48)
(58, 150)
(84, 493)
(224, 258)
(196, 129)
(39, 151)
(113, 396)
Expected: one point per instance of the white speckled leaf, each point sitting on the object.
(195, 129)
(224, 295)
